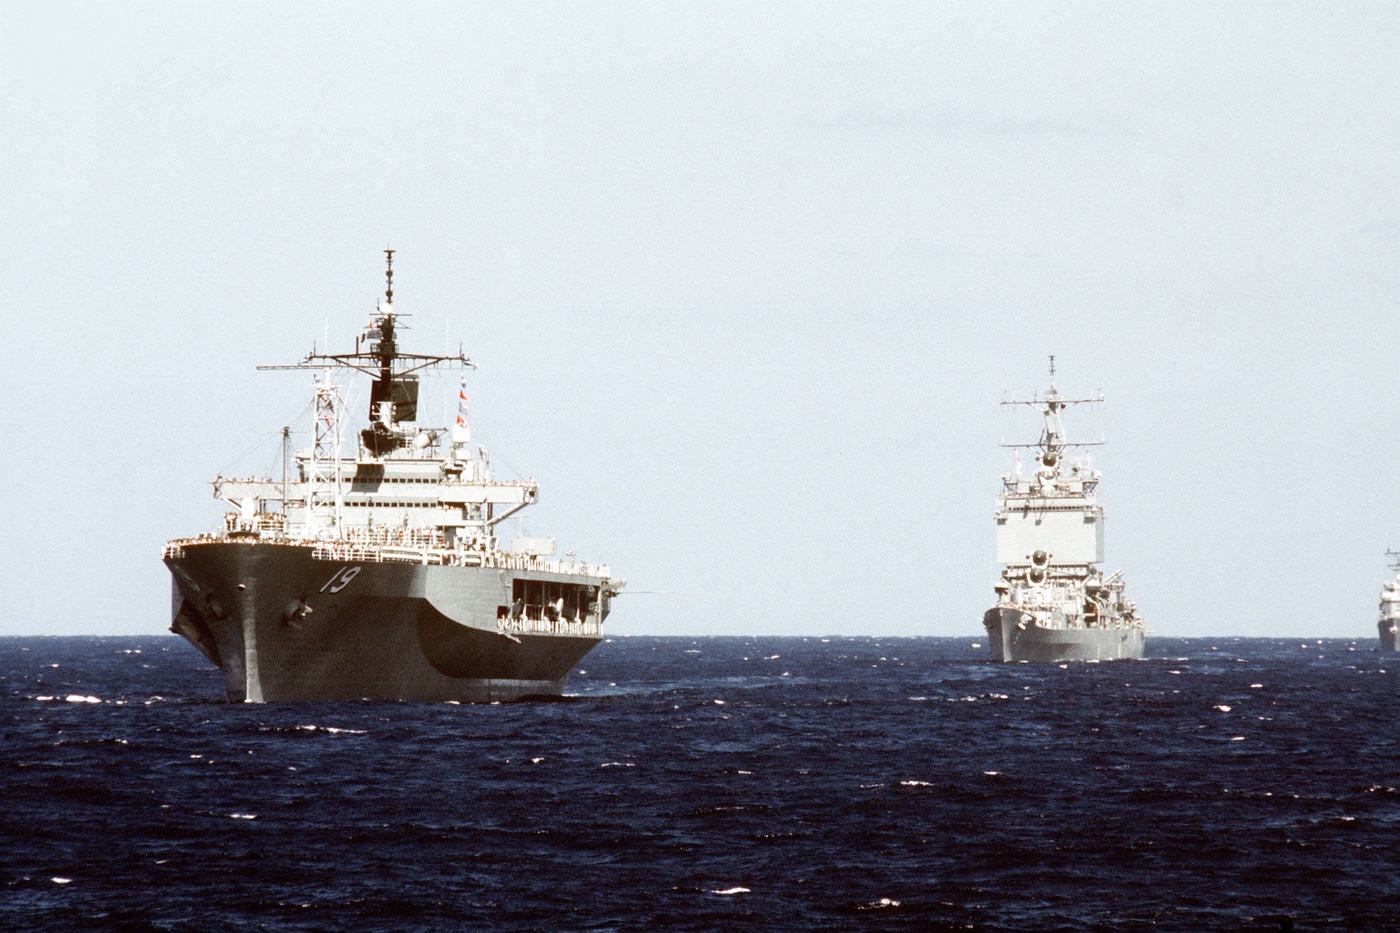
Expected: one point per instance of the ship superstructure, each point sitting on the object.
(1390, 606)
(1053, 601)
(381, 575)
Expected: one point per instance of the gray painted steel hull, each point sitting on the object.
(1012, 641)
(395, 631)
(1387, 633)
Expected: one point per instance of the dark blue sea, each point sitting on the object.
(714, 784)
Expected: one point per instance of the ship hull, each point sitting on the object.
(283, 625)
(1015, 636)
(1387, 632)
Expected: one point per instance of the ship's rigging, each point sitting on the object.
(393, 398)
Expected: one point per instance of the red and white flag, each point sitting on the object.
(461, 431)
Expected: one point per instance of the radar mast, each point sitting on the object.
(1052, 437)
(394, 393)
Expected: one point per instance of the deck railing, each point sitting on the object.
(450, 557)
(352, 552)
(522, 626)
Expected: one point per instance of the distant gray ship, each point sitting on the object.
(1390, 606)
(1053, 603)
(381, 576)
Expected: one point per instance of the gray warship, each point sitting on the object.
(1053, 602)
(381, 576)
(1390, 606)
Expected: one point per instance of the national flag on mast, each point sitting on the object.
(461, 431)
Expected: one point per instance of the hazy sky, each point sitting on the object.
(745, 284)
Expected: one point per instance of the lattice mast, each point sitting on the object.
(325, 496)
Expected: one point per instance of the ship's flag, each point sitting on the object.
(1018, 463)
(461, 431)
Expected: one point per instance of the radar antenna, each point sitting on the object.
(394, 392)
(1052, 438)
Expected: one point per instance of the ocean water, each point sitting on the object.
(714, 784)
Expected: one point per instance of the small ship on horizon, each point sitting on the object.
(1053, 602)
(381, 575)
(1390, 606)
